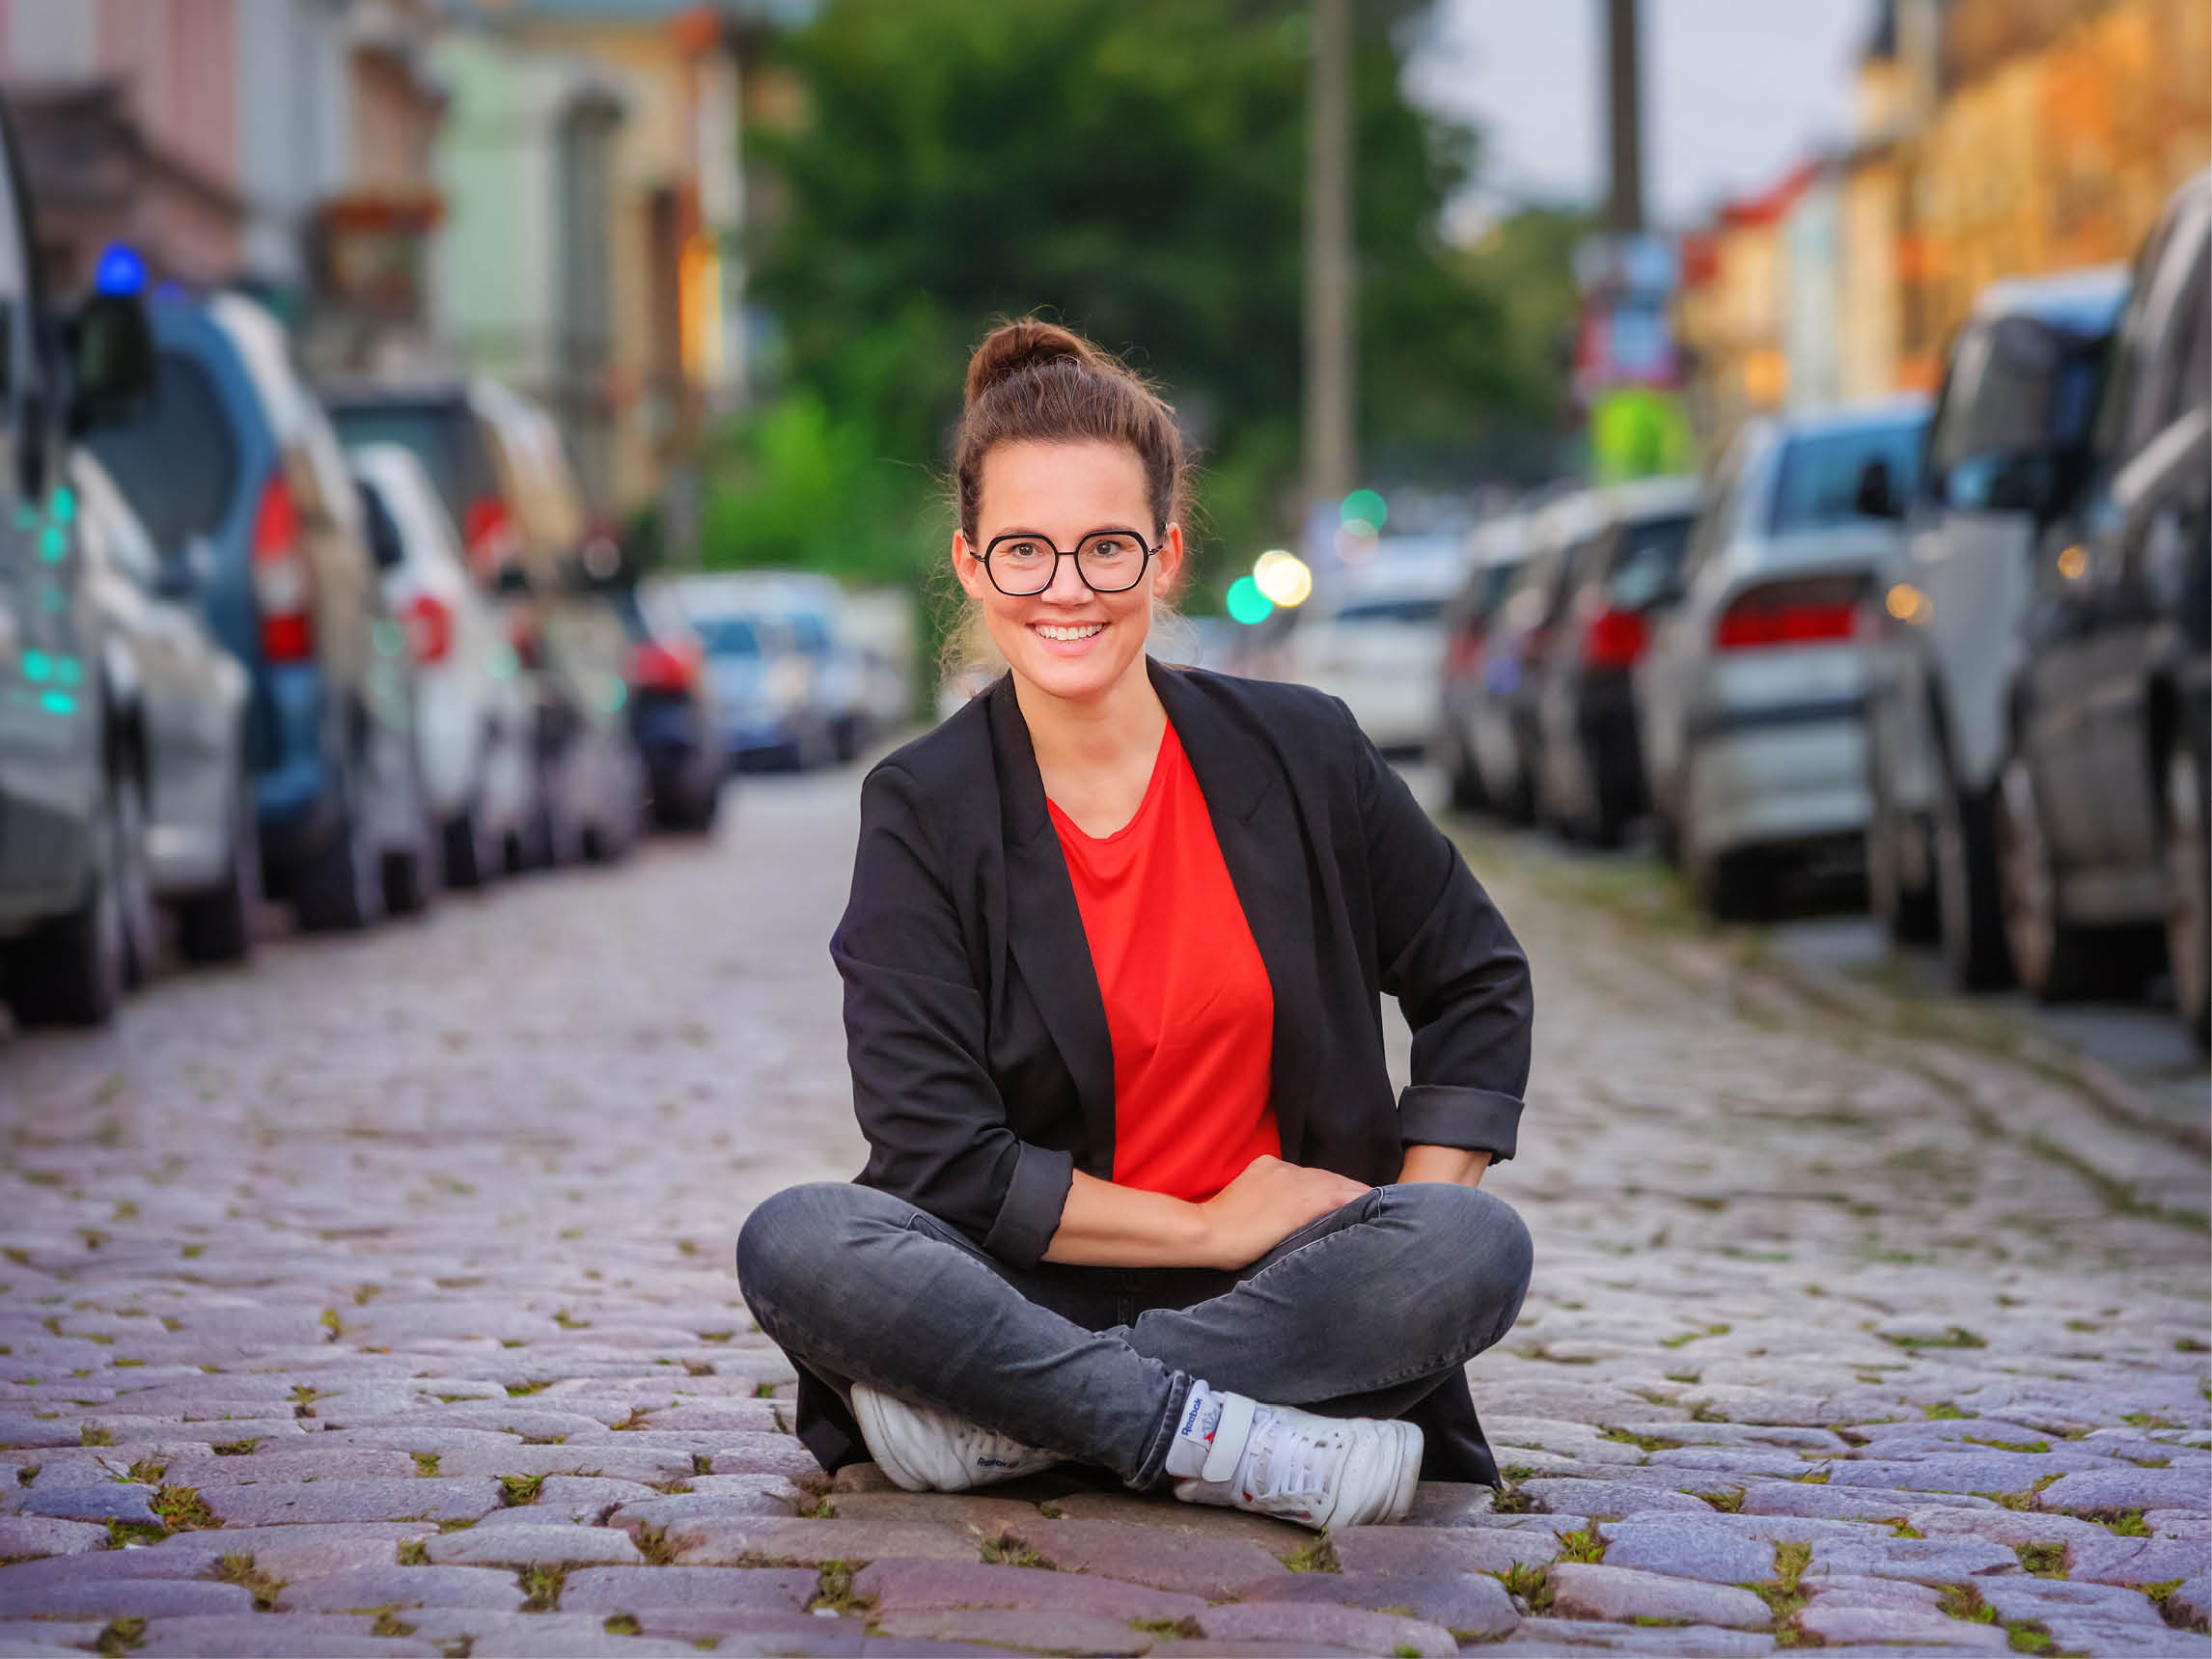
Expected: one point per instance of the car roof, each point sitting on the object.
(2086, 301)
(1893, 411)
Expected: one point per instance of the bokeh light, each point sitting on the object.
(1365, 507)
(1282, 577)
(1247, 604)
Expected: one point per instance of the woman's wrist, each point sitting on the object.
(1447, 1166)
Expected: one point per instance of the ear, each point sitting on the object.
(968, 567)
(1167, 561)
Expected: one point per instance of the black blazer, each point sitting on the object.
(983, 1071)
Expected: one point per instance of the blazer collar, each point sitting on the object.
(1231, 764)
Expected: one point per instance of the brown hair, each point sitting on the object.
(1032, 381)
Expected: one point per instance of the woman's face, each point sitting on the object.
(1067, 640)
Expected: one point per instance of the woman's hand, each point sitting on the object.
(1266, 1204)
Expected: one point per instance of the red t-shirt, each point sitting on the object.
(1188, 1004)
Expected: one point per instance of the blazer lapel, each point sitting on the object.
(1044, 930)
(1263, 846)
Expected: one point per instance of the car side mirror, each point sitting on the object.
(110, 345)
(384, 544)
(1877, 494)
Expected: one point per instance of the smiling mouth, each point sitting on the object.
(1069, 633)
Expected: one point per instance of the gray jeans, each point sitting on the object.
(1362, 1313)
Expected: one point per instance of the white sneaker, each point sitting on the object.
(1320, 1472)
(925, 1450)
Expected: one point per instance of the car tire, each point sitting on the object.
(2054, 960)
(2189, 889)
(1908, 915)
(71, 969)
(413, 874)
(340, 888)
(1468, 795)
(1970, 909)
(690, 813)
(133, 881)
(217, 925)
(1736, 886)
(469, 861)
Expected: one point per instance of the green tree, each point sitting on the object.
(1135, 169)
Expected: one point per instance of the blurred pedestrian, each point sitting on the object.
(1140, 1195)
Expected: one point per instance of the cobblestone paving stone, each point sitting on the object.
(378, 1299)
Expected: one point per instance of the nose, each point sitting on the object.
(1068, 586)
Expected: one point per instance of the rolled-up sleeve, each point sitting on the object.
(916, 1042)
(1459, 975)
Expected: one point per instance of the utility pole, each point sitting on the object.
(1624, 107)
(1330, 463)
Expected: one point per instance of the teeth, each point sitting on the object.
(1084, 632)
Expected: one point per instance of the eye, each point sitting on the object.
(1109, 547)
(1021, 550)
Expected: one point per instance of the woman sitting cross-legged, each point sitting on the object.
(1140, 1193)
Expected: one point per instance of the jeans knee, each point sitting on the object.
(785, 1246)
(1482, 1248)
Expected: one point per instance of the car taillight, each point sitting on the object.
(1613, 639)
(655, 667)
(284, 586)
(1463, 654)
(430, 628)
(487, 530)
(1819, 610)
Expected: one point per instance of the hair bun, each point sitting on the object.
(1028, 344)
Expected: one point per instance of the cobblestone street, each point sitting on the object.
(379, 1300)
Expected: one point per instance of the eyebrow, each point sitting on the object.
(1102, 530)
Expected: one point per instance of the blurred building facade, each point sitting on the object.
(593, 170)
(281, 144)
(1994, 138)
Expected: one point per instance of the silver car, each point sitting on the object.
(1751, 699)
(186, 696)
(2008, 439)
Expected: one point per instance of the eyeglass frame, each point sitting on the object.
(1144, 563)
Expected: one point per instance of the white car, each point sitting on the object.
(473, 712)
(1374, 637)
(1751, 698)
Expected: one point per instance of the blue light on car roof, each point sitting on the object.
(122, 270)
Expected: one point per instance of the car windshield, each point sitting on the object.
(727, 636)
(175, 459)
(1819, 483)
(443, 436)
(1416, 610)
(1648, 559)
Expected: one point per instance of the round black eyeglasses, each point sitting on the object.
(1109, 561)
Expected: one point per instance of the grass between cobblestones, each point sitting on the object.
(119, 1636)
(541, 1588)
(413, 1552)
(1008, 1549)
(1783, 1599)
(235, 1566)
(653, 1545)
(1532, 1584)
(515, 1491)
(833, 1590)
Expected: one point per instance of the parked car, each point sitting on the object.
(1590, 784)
(1752, 696)
(472, 712)
(1474, 741)
(1534, 614)
(183, 699)
(2006, 445)
(71, 767)
(673, 718)
(498, 463)
(765, 684)
(232, 449)
(1373, 635)
(2101, 804)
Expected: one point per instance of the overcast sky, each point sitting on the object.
(1734, 91)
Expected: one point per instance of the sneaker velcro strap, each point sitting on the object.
(1230, 1434)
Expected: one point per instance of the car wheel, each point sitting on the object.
(340, 888)
(469, 858)
(1906, 913)
(217, 925)
(1736, 886)
(411, 874)
(71, 969)
(690, 812)
(2055, 959)
(1971, 925)
(2189, 891)
(133, 881)
(1468, 795)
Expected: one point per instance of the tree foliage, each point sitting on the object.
(1134, 167)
